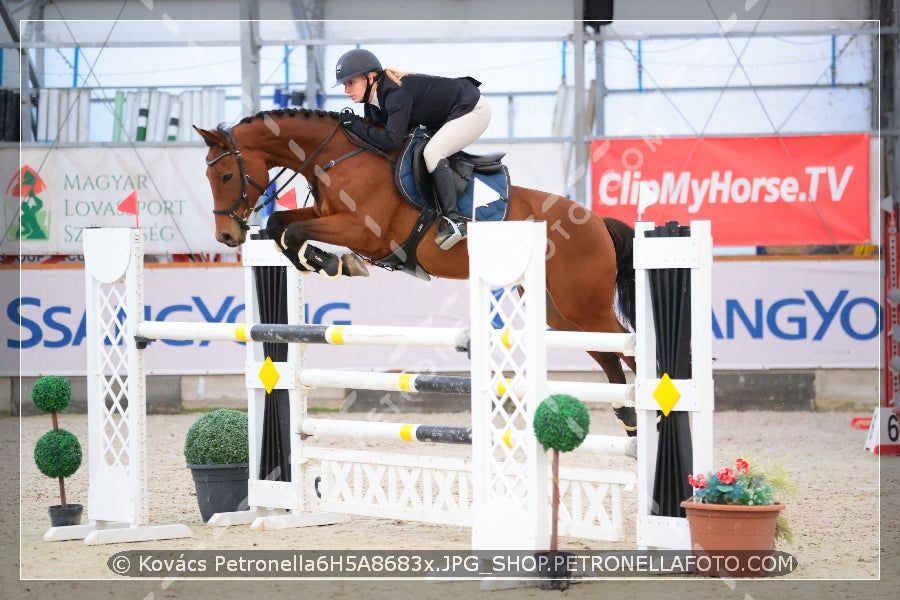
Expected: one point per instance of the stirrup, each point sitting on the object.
(452, 233)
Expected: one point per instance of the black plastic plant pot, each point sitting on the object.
(553, 570)
(63, 517)
(220, 488)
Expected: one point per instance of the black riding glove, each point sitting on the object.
(346, 117)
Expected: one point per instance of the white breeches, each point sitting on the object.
(457, 134)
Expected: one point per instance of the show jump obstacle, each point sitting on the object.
(501, 490)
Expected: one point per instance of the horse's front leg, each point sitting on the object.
(293, 233)
(279, 220)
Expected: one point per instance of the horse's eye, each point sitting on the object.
(227, 178)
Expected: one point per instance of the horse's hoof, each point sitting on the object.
(354, 266)
(626, 418)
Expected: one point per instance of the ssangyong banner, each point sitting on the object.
(757, 191)
(765, 315)
(787, 314)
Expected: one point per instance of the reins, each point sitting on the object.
(265, 199)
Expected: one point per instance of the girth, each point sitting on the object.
(404, 258)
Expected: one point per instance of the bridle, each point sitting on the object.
(245, 179)
(264, 199)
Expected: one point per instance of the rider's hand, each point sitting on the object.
(346, 117)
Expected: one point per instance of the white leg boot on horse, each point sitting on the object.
(313, 259)
(450, 228)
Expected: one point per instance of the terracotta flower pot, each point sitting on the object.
(731, 540)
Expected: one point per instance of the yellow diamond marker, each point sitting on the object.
(666, 394)
(269, 375)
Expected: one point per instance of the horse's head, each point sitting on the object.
(237, 179)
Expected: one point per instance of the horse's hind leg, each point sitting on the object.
(611, 365)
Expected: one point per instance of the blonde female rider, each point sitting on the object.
(453, 109)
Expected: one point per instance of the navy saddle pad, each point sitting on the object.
(482, 183)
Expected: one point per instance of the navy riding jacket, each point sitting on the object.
(420, 100)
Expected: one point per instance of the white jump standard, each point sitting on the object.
(507, 473)
(118, 506)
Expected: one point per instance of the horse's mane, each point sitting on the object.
(290, 112)
(306, 113)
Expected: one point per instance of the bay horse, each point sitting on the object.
(357, 206)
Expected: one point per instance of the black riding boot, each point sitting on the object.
(450, 228)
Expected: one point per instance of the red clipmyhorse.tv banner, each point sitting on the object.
(757, 191)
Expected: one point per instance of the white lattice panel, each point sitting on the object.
(591, 502)
(509, 408)
(395, 486)
(439, 490)
(112, 402)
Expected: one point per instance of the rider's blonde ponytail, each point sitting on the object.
(396, 75)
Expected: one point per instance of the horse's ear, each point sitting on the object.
(212, 138)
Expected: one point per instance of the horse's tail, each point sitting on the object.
(622, 236)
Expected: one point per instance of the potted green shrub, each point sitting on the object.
(561, 422)
(57, 453)
(217, 451)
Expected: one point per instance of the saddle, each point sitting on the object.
(482, 181)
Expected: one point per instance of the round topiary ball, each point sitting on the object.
(57, 453)
(219, 437)
(51, 393)
(561, 422)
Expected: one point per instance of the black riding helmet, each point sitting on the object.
(354, 63)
